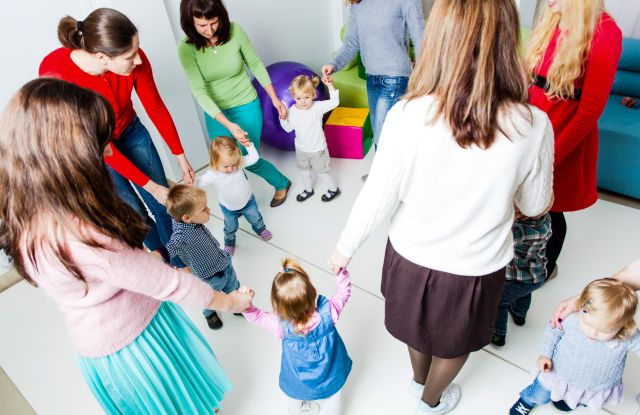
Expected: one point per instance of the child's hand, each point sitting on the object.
(326, 73)
(245, 141)
(328, 81)
(284, 115)
(545, 364)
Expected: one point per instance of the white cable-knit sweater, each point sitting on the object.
(452, 208)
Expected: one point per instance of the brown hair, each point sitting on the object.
(223, 145)
(470, 63)
(204, 9)
(183, 200)
(52, 175)
(105, 30)
(611, 303)
(293, 297)
(304, 83)
(353, 1)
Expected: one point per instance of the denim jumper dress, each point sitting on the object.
(316, 365)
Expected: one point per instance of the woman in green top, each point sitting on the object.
(213, 54)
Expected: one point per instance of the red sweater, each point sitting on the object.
(575, 123)
(117, 90)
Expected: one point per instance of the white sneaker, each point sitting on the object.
(415, 389)
(449, 399)
(305, 408)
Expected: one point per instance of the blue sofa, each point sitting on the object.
(619, 146)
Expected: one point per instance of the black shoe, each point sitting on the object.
(305, 195)
(277, 202)
(214, 322)
(330, 195)
(238, 314)
(520, 408)
(498, 340)
(562, 406)
(517, 319)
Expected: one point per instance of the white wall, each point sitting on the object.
(627, 15)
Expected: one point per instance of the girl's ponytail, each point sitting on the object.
(69, 34)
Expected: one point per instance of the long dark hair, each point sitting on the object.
(204, 9)
(105, 30)
(470, 62)
(53, 178)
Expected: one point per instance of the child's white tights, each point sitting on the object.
(325, 177)
(329, 406)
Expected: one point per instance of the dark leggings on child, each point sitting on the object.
(554, 246)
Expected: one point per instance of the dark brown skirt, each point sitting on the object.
(437, 313)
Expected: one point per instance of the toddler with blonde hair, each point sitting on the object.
(582, 363)
(305, 117)
(234, 192)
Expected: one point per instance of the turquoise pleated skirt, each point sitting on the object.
(168, 369)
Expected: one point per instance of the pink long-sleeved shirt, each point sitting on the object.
(271, 322)
(123, 291)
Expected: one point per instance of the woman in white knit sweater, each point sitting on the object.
(456, 157)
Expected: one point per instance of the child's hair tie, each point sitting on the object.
(284, 269)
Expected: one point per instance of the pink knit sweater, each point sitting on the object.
(123, 291)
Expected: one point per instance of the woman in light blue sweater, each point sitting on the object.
(378, 29)
(582, 363)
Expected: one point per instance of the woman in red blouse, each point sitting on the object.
(572, 55)
(102, 53)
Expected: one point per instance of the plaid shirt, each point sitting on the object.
(197, 248)
(530, 237)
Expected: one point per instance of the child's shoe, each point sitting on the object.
(416, 389)
(516, 318)
(265, 235)
(305, 195)
(214, 322)
(449, 399)
(497, 340)
(330, 195)
(561, 406)
(520, 408)
(229, 249)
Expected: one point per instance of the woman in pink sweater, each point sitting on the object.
(69, 233)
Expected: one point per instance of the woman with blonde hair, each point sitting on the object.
(572, 57)
(455, 156)
(69, 233)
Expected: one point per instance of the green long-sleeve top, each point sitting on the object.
(217, 74)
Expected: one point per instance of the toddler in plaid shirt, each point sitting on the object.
(525, 273)
(192, 242)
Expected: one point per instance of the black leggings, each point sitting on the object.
(554, 246)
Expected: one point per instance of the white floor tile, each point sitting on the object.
(38, 358)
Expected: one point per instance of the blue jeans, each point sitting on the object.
(136, 145)
(250, 212)
(536, 394)
(226, 282)
(517, 297)
(383, 92)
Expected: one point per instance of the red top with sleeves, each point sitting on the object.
(117, 90)
(575, 123)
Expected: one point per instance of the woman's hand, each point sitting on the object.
(327, 70)
(565, 308)
(245, 142)
(188, 175)
(157, 191)
(338, 262)
(282, 109)
(545, 364)
(240, 300)
(237, 132)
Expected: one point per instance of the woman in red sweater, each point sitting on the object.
(572, 55)
(102, 53)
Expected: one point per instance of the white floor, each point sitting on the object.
(35, 353)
